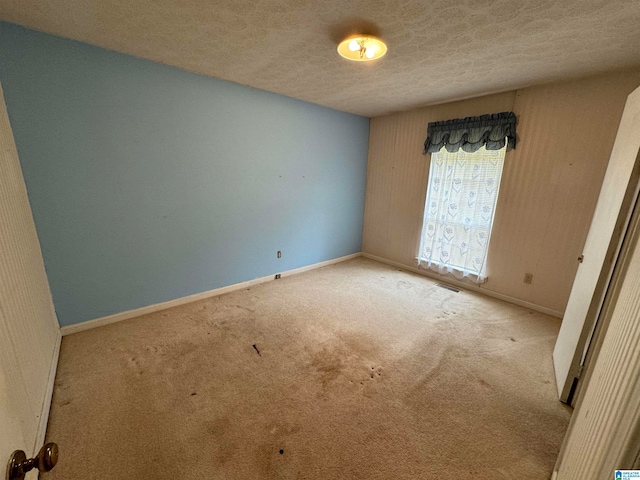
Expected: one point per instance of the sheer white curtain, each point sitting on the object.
(459, 211)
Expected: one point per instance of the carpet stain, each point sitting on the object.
(280, 432)
(218, 427)
(346, 355)
(329, 364)
(220, 430)
(224, 314)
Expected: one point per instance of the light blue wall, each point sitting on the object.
(149, 183)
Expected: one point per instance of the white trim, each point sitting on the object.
(295, 271)
(118, 317)
(467, 286)
(48, 395)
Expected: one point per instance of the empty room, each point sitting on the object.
(319, 240)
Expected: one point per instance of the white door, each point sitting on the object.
(600, 251)
(29, 331)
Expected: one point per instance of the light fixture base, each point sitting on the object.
(362, 48)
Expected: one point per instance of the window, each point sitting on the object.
(459, 211)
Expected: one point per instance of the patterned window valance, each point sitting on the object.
(471, 133)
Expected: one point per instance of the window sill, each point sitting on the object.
(456, 272)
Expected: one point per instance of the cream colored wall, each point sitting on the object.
(548, 191)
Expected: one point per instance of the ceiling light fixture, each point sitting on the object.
(362, 48)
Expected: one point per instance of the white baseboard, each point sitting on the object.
(467, 286)
(118, 317)
(46, 404)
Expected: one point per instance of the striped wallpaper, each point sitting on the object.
(549, 188)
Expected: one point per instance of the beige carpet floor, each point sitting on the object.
(364, 371)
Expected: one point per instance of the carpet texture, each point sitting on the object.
(359, 370)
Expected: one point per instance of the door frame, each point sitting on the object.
(29, 327)
(623, 439)
(599, 328)
(601, 301)
(600, 253)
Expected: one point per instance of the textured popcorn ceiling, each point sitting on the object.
(438, 50)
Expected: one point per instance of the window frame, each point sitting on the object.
(460, 271)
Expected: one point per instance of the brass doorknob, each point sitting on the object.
(18, 464)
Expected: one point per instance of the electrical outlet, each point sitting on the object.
(279, 254)
(277, 276)
(528, 278)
